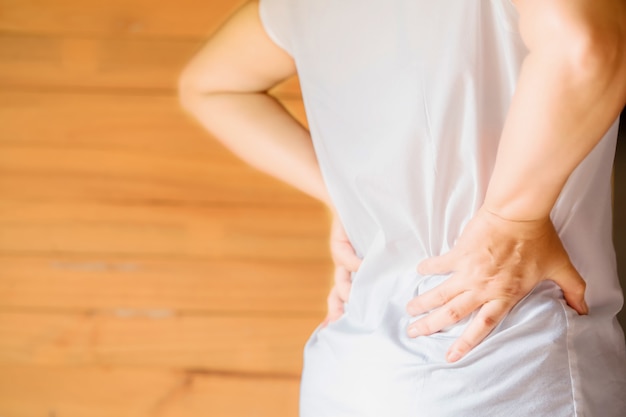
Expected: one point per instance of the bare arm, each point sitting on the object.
(224, 87)
(571, 88)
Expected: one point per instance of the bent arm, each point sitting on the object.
(571, 89)
(225, 88)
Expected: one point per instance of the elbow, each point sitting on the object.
(195, 86)
(593, 50)
(188, 91)
(597, 54)
(590, 45)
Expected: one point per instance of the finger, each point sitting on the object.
(457, 309)
(344, 255)
(573, 286)
(343, 283)
(487, 318)
(434, 298)
(335, 307)
(437, 265)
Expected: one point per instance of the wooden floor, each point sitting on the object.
(144, 271)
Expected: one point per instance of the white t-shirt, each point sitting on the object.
(406, 101)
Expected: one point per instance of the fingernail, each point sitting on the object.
(453, 356)
(413, 332)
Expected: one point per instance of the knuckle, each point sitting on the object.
(453, 314)
(489, 321)
(442, 296)
(506, 286)
(513, 290)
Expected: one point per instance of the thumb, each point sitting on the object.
(573, 286)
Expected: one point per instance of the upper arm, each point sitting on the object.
(239, 57)
(571, 22)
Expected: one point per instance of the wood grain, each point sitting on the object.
(104, 391)
(34, 173)
(228, 185)
(148, 123)
(93, 283)
(116, 18)
(174, 231)
(157, 338)
(55, 62)
(153, 65)
(144, 270)
(134, 148)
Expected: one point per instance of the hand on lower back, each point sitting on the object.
(346, 261)
(494, 264)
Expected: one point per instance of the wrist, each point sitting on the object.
(520, 228)
(505, 214)
(523, 204)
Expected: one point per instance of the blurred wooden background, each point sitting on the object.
(144, 271)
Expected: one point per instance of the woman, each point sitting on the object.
(474, 137)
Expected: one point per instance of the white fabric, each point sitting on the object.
(406, 101)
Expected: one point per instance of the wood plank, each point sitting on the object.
(85, 284)
(99, 391)
(148, 123)
(116, 18)
(36, 173)
(157, 230)
(157, 339)
(32, 61)
(135, 148)
(227, 186)
(151, 123)
(42, 61)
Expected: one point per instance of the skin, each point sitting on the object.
(571, 88)
(224, 88)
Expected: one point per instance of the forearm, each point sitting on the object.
(224, 88)
(567, 97)
(257, 128)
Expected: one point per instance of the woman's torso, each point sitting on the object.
(406, 100)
